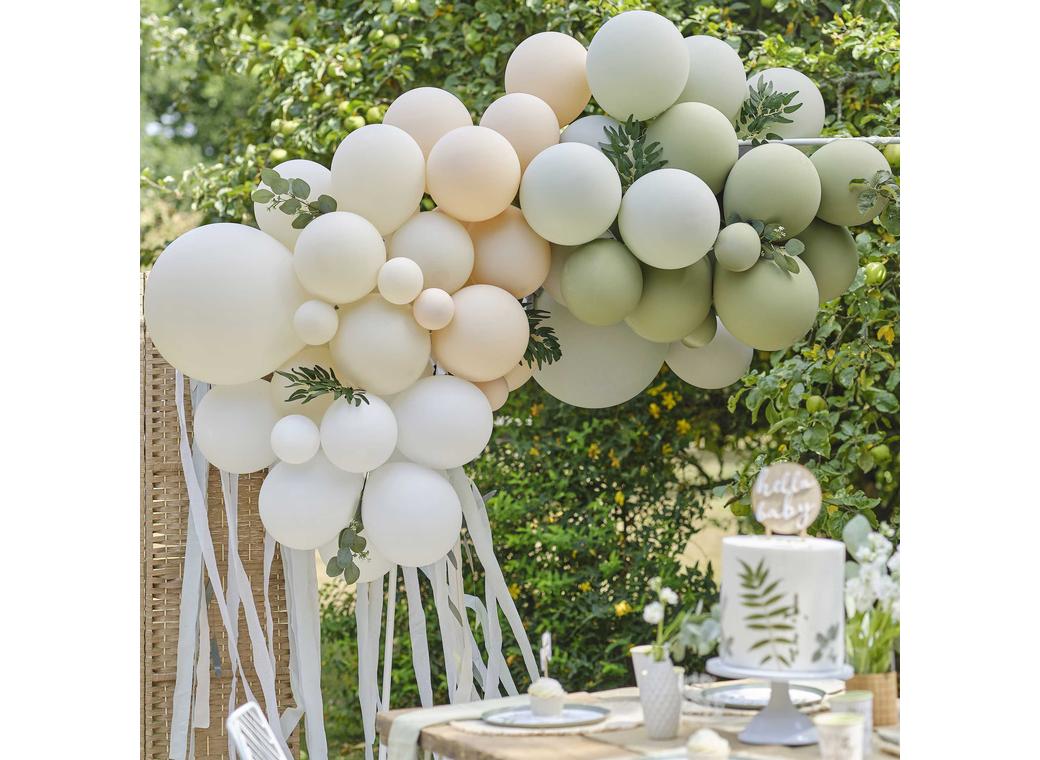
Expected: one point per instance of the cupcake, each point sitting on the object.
(546, 697)
(706, 745)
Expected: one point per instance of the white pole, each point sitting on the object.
(824, 140)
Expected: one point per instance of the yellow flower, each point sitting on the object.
(614, 461)
(782, 448)
(667, 450)
(622, 608)
(533, 451)
(585, 586)
(514, 590)
(536, 408)
(655, 411)
(668, 399)
(683, 427)
(657, 389)
(832, 508)
(594, 450)
(830, 353)
(887, 334)
(619, 498)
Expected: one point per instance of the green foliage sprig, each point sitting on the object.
(290, 197)
(311, 382)
(764, 108)
(543, 347)
(627, 149)
(352, 547)
(882, 185)
(776, 246)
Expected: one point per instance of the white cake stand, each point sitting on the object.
(779, 722)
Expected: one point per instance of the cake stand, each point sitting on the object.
(779, 722)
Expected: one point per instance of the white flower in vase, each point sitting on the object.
(653, 613)
(669, 597)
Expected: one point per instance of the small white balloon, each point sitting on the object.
(427, 114)
(720, 363)
(359, 437)
(441, 247)
(316, 322)
(433, 309)
(278, 224)
(306, 505)
(589, 130)
(443, 422)
(233, 426)
(400, 281)
(412, 515)
(807, 121)
(496, 391)
(372, 567)
(338, 257)
(295, 439)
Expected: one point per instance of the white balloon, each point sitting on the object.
(716, 75)
(380, 346)
(441, 247)
(400, 280)
(379, 172)
(315, 322)
(427, 114)
(295, 439)
(372, 567)
(219, 304)
(312, 356)
(720, 363)
(443, 422)
(278, 224)
(338, 257)
(589, 130)
(433, 309)
(359, 438)
(306, 505)
(570, 193)
(807, 121)
(600, 366)
(637, 65)
(411, 514)
(233, 426)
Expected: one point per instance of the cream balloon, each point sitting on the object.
(400, 280)
(696, 138)
(669, 218)
(486, 337)
(674, 302)
(433, 309)
(380, 346)
(278, 224)
(315, 322)
(441, 247)
(551, 66)
(509, 254)
(807, 121)
(570, 193)
(306, 505)
(281, 389)
(517, 376)
(716, 76)
(722, 362)
(560, 255)
(233, 426)
(371, 567)
(427, 114)
(295, 439)
(600, 366)
(411, 514)
(589, 130)
(443, 422)
(496, 391)
(473, 173)
(526, 121)
(219, 304)
(637, 65)
(338, 257)
(378, 172)
(359, 437)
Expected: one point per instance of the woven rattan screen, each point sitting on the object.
(164, 513)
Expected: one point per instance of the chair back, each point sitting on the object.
(252, 734)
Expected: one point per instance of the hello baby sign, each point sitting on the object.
(786, 498)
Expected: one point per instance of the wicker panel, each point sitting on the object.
(164, 511)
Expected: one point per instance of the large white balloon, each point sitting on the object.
(411, 514)
(219, 304)
(278, 224)
(295, 439)
(359, 438)
(338, 257)
(233, 426)
(379, 172)
(720, 363)
(427, 114)
(441, 247)
(372, 567)
(306, 505)
(716, 75)
(443, 422)
(380, 346)
(589, 130)
(312, 356)
(637, 65)
(551, 65)
(600, 366)
(570, 193)
(807, 121)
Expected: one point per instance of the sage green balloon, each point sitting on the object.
(601, 282)
(698, 138)
(559, 256)
(738, 247)
(773, 183)
(704, 333)
(764, 307)
(838, 163)
(674, 302)
(831, 255)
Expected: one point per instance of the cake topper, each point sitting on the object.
(545, 654)
(786, 498)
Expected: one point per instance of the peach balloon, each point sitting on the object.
(526, 121)
(433, 309)
(441, 247)
(509, 254)
(497, 391)
(551, 66)
(517, 376)
(487, 336)
(473, 173)
(427, 114)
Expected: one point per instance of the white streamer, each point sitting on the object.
(417, 636)
(307, 640)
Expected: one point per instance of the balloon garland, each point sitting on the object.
(357, 346)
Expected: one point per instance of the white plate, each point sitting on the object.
(522, 717)
(750, 696)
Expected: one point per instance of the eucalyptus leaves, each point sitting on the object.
(764, 108)
(352, 546)
(290, 196)
(774, 244)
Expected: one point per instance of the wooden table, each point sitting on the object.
(461, 745)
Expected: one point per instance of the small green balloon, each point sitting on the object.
(773, 183)
(838, 163)
(697, 138)
(765, 307)
(831, 255)
(674, 302)
(601, 282)
(704, 333)
(738, 247)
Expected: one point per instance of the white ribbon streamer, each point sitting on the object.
(417, 636)
(306, 640)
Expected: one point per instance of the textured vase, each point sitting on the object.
(884, 687)
(659, 693)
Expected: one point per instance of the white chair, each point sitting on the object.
(252, 734)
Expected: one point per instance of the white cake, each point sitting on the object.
(782, 602)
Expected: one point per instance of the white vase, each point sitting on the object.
(659, 692)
